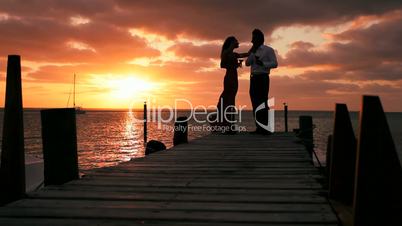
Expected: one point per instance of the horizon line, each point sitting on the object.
(179, 109)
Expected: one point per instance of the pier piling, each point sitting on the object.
(285, 106)
(378, 197)
(59, 145)
(342, 161)
(306, 132)
(145, 123)
(180, 131)
(328, 155)
(12, 169)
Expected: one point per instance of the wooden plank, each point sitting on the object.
(135, 175)
(123, 222)
(89, 195)
(206, 184)
(184, 190)
(274, 171)
(200, 206)
(168, 215)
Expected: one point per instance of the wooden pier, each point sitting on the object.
(216, 180)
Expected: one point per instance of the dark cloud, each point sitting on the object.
(303, 93)
(302, 55)
(380, 41)
(47, 40)
(301, 45)
(292, 87)
(43, 26)
(372, 53)
(191, 50)
(210, 19)
(55, 9)
(214, 19)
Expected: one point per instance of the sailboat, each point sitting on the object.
(78, 109)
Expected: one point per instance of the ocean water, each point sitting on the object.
(106, 138)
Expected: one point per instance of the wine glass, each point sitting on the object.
(240, 64)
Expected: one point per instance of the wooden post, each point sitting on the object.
(286, 116)
(306, 132)
(378, 189)
(145, 123)
(13, 157)
(180, 131)
(343, 157)
(59, 145)
(328, 155)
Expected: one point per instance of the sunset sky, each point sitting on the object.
(127, 51)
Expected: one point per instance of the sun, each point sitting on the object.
(130, 87)
(124, 86)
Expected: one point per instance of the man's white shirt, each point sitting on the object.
(267, 56)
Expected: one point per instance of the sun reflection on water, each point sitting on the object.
(132, 134)
(108, 138)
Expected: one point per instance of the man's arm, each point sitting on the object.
(270, 61)
(250, 59)
(242, 55)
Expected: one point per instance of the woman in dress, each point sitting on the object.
(229, 61)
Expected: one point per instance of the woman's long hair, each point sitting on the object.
(228, 41)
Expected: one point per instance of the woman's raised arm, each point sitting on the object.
(242, 55)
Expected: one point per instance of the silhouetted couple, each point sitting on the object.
(261, 59)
